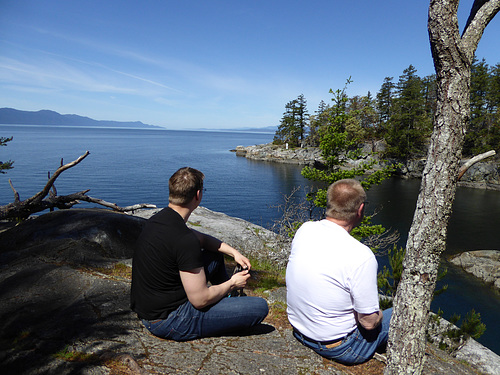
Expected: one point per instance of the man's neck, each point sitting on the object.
(344, 224)
(185, 212)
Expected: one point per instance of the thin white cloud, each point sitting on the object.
(186, 69)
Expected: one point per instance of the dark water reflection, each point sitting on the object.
(473, 226)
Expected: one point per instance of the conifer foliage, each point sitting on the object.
(8, 164)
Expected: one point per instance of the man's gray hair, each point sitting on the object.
(344, 198)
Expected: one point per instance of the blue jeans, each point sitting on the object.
(357, 347)
(227, 315)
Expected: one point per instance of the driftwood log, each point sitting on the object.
(47, 198)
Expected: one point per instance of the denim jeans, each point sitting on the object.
(357, 347)
(227, 315)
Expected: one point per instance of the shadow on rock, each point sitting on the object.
(53, 300)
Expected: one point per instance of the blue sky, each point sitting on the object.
(207, 64)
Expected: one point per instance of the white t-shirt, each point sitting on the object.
(329, 276)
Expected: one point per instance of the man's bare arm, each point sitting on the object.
(369, 321)
(200, 295)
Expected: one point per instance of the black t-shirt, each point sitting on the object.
(165, 246)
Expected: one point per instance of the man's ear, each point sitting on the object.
(361, 210)
(198, 195)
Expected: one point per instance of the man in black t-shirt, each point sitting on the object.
(173, 264)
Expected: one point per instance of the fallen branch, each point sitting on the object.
(21, 210)
(115, 207)
(473, 161)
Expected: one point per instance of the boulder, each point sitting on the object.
(484, 264)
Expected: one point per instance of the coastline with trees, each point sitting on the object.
(400, 114)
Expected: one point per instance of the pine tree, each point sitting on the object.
(293, 123)
(364, 117)
(384, 101)
(493, 99)
(8, 164)
(475, 139)
(409, 125)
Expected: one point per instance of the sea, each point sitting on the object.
(131, 166)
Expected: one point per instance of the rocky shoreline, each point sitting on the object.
(64, 307)
(482, 175)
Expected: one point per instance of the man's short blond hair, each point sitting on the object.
(184, 184)
(344, 198)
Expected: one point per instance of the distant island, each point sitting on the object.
(10, 116)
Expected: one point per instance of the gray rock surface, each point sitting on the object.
(63, 312)
(279, 154)
(484, 264)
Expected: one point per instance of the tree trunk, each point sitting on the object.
(453, 56)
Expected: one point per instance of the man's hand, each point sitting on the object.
(241, 260)
(240, 279)
(200, 295)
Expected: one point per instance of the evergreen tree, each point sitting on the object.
(493, 98)
(475, 139)
(8, 164)
(293, 123)
(337, 146)
(430, 95)
(316, 123)
(384, 101)
(363, 124)
(409, 125)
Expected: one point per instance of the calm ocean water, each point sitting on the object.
(129, 166)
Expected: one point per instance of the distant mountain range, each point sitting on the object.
(10, 116)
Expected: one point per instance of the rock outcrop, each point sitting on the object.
(483, 175)
(280, 154)
(484, 264)
(64, 306)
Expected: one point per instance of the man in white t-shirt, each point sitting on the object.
(331, 282)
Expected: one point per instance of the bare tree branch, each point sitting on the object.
(473, 161)
(42, 194)
(16, 194)
(481, 14)
(40, 202)
(114, 206)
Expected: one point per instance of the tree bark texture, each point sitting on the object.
(453, 56)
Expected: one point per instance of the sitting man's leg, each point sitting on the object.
(215, 269)
(357, 347)
(227, 315)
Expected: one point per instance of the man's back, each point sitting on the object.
(165, 246)
(329, 275)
